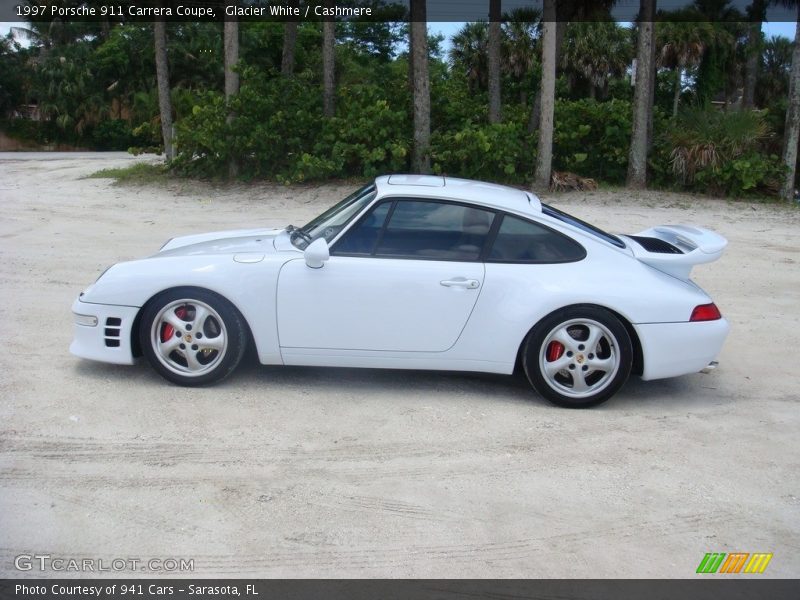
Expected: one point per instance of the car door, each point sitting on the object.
(404, 278)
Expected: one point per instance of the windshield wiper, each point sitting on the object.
(298, 231)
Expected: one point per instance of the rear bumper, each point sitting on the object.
(671, 349)
(107, 341)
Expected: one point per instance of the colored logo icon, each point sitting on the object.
(735, 562)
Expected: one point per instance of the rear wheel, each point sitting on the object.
(578, 357)
(192, 336)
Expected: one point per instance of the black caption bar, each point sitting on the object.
(398, 589)
(373, 10)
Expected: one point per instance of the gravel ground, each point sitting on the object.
(312, 472)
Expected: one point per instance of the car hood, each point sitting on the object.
(222, 242)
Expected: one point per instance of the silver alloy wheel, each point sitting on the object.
(189, 337)
(579, 358)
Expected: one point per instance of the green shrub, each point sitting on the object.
(201, 138)
(369, 134)
(753, 172)
(24, 129)
(492, 152)
(278, 133)
(592, 138)
(113, 134)
(722, 152)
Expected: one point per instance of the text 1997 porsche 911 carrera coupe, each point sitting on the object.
(418, 272)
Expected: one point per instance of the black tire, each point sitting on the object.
(209, 335)
(589, 376)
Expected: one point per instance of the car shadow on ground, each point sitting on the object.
(687, 392)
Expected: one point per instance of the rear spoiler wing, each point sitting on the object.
(697, 246)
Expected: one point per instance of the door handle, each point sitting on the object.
(461, 282)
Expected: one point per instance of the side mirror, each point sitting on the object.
(317, 253)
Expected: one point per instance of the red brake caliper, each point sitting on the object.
(554, 351)
(168, 330)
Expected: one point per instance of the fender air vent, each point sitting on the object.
(112, 332)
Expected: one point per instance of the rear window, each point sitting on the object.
(582, 225)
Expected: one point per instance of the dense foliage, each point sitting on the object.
(724, 153)
(93, 86)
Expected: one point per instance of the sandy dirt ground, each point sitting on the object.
(312, 472)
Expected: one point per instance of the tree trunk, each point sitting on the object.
(421, 151)
(544, 158)
(642, 107)
(536, 107)
(751, 66)
(653, 77)
(289, 42)
(792, 129)
(676, 95)
(495, 114)
(536, 110)
(231, 43)
(162, 78)
(757, 13)
(561, 32)
(328, 62)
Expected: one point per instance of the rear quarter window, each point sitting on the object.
(521, 241)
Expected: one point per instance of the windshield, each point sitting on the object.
(333, 220)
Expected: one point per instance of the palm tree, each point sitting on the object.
(521, 33)
(231, 57)
(13, 76)
(162, 78)
(544, 157)
(597, 51)
(680, 46)
(792, 128)
(420, 85)
(495, 41)
(642, 96)
(48, 34)
(718, 70)
(519, 36)
(569, 10)
(328, 65)
(469, 53)
(776, 66)
(757, 13)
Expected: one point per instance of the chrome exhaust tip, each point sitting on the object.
(711, 366)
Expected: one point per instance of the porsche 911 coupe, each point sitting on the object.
(418, 272)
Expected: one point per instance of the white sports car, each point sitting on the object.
(418, 272)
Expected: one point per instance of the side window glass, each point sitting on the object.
(435, 230)
(523, 241)
(362, 237)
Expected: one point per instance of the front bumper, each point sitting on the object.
(107, 341)
(671, 349)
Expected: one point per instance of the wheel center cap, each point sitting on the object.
(188, 337)
(579, 359)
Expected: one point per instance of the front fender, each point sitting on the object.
(249, 286)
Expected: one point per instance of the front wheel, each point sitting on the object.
(578, 357)
(192, 336)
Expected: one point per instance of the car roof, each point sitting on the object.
(452, 188)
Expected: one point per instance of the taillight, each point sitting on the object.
(705, 312)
